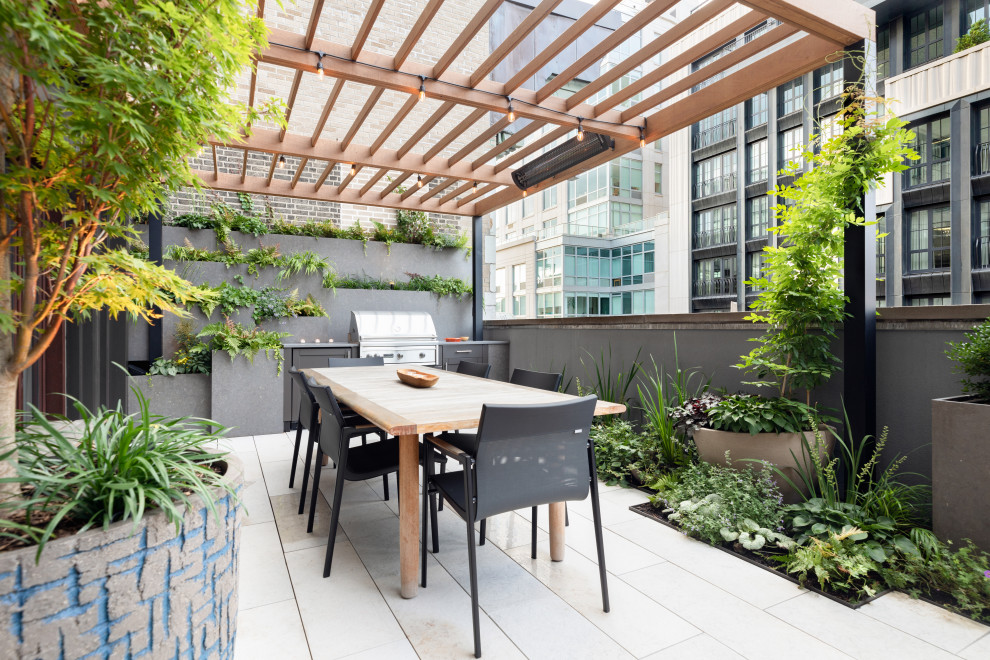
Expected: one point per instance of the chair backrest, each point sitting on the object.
(529, 455)
(355, 362)
(306, 401)
(479, 369)
(541, 380)
(332, 424)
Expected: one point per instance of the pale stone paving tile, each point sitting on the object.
(978, 650)
(254, 496)
(401, 650)
(860, 637)
(746, 629)
(621, 554)
(634, 620)
(271, 631)
(344, 613)
(699, 646)
(292, 525)
(263, 578)
(239, 444)
(277, 477)
(275, 447)
(510, 530)
(931, 623)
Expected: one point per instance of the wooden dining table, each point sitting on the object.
(453, 403)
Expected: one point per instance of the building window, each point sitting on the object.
(928, 235)
(549, 198)
(715, 277)
(792, 147)
(976, 10)
(715, 128)
(500, 290)
(925, 35)
(829, 81)
(927, 301)
(608, 267)
(883, 52)
(587, 187)
(756, 110)
(626, 218)
(658, 178)
(981, 237)
(931, 141)
(716, 226)
(757, 169)
(589, 221)
(549, 267)
(715, 175)
(713, 56)
(549, 304)
(757, 217)
(881, 245)
(519, 290)
(627, 178)
(828, 128)
(791, 96)
(756, 268)
(981, 153)
(527, 207)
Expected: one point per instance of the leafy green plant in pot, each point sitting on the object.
(960, 448)
(801, 299)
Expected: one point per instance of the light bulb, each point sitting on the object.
(512, 114)
(319, 68)
(642, 139)
(580, 134)
(525, 193)
(281, 162)
(353, 170)
(474, 186)
(422, 88)
(419, 180)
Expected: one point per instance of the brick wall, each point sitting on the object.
(125, 592)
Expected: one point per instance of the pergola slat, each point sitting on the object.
(415, 33)
(338, 85)
(514, 138)
(347, 180)
(393, 124)
(413, 189)
(271, 169)
(677, 32)
(394, 184)
(421, 132)
(375, 178)
(842, 22)
(369, 105)
(367, 24)
(290, 103)
(459, 130)
(479, 140)
(544, 140)
(459, 190)
(480, 192)
(299, 171)
(244, 166)
(325, 174)
(521, 31)
(464, 38)
(436, 190)
(566, 38)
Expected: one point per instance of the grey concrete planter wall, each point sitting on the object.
(247, 396)
(182, 395)
(960, 469)
(300, 328)
(128, 591)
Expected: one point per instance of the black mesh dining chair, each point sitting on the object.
(479, 369)
(541, 380)
(523, 456)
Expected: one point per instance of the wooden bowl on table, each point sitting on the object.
(417, 378)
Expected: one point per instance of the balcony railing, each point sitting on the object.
(718, 286)
(719, 184)
(981, 158)
(714, 134)
(981, 258)
(761, 30)
(716, 236)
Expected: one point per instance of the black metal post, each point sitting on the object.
(859, 360)
(156, 330)
(477, 280)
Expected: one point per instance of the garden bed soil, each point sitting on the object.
(937, 598)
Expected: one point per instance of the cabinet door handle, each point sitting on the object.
(464, 351)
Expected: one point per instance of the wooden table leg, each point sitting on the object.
(558, 514)
(409, 514)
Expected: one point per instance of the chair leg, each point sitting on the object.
(295, 454)
(533, 551)
(338, 494)
(443, 470)
(482, 530)
(385, 484)
(305, 474)
(597, 515)
(316, 489)
(433, 518)
(422, 530)
(567, 516)
(472, 560)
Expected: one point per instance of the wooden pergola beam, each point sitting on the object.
(338, 85)
(521, 31)
(459, 190)
(394, 184)
(536, 145)
(369, 105)
(565, 39)
(299, 146)
(464, 38)
(271, 168)
(367, 24)
(677, 32)
(350, 177)
(299, 171)
(514, 138)
(244, 166)
(428, 125)
(291, 102)
(375, 178)
(418, 28)
(393, 124)
(843, 22)
(323, 175)
(436, 190)
(216, 165)
(478, 140)
(452, 135)
(412, 190)
(256, 186)
(480, 192)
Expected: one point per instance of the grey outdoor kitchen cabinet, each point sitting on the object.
(306, 356)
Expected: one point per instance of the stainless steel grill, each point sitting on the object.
(398, 337)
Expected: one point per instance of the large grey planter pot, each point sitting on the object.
(128, 591)
(182, 395)
(300, 328)
(960, 470)
(780, 449)
(247, 396)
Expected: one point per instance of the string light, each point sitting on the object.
(474, 186)
(512, 113)
(419, 180)
(422, 88)
(319, 64)
(525, 193)
(642, 138)
(281, 162)
(353, 170)
(580, 135)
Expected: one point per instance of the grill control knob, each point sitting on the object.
(422, 355)
(400, 355)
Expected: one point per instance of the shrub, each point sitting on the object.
(978, 33)
(744, 413)
(191, 356)
(107, 467)
(972, 358)
(837, 563)
(616, 450)
(235, 339)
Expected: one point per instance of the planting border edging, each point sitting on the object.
(130, 589)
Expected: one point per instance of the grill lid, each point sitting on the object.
(391, 326)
